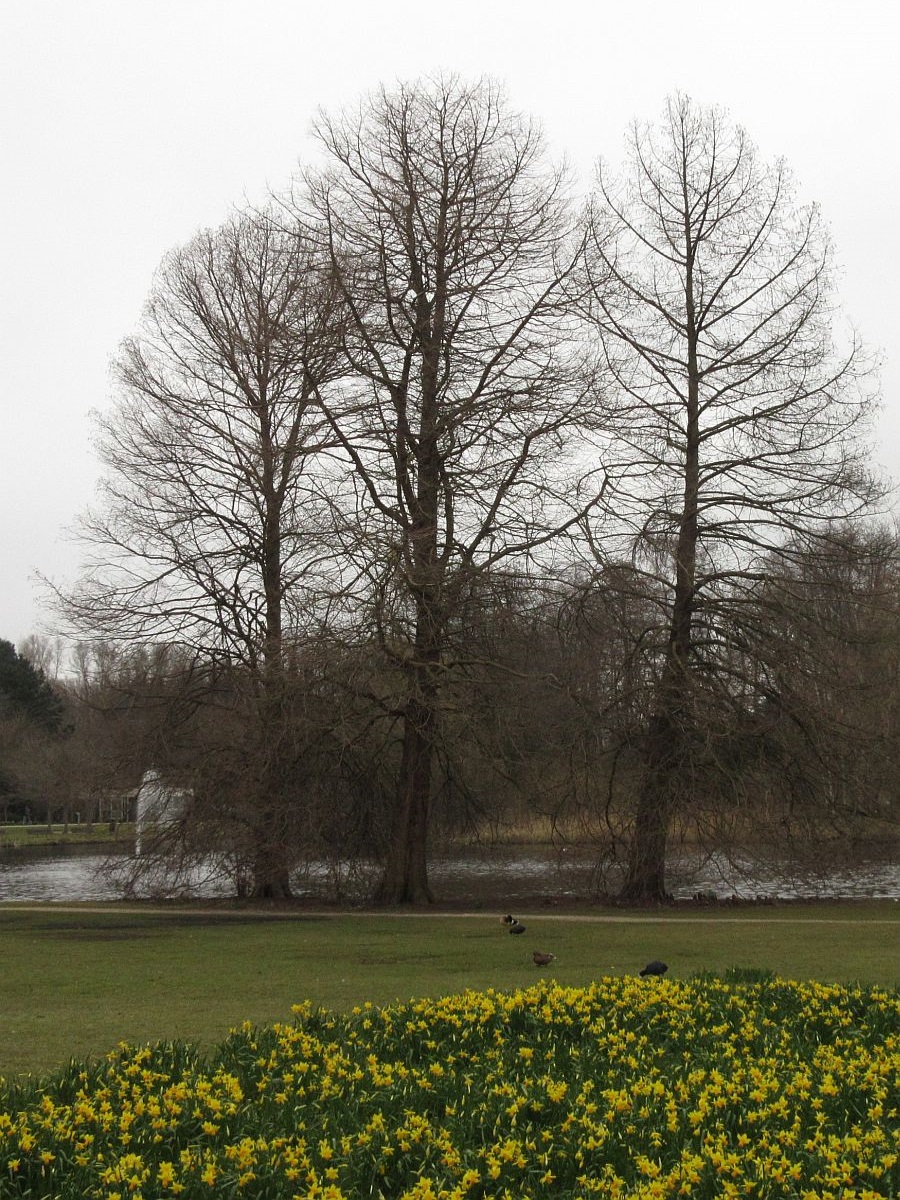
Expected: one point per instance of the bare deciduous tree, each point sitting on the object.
(739, 414)
(46, 654)
(208, 527)
(450, 240)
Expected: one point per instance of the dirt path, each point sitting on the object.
(300, 914)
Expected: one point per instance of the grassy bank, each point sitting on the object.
(21, 837)
(76, 982)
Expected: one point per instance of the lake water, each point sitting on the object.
(500, 876)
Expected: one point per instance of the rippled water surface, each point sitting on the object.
(506, 876)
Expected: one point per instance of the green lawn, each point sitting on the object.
(15, 837)
(75, 982)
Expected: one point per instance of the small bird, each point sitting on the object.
(516, 928)
(541, 959)
(509, 919)
(655, 968)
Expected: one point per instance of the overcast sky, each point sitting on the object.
(129, 124)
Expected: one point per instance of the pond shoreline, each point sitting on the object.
(511, 878)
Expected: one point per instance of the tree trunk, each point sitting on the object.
(404, 879)
(272, 855)
(645, 881)
(405, 876)
(271, 871)
(273, 885)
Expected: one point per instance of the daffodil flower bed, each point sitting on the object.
(626, 1088)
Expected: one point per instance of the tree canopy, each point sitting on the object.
(25, 692)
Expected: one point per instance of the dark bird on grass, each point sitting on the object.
(516, 928)
(655, 968)
(541, 959)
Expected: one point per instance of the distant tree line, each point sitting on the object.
(438, 503)
(32, 714)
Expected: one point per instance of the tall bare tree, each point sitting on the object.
(450, 240)
(207, 528)
(740, 410)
